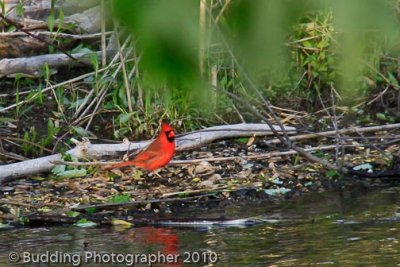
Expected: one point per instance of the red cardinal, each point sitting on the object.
(157, 154)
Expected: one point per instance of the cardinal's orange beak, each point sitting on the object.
(171, 134)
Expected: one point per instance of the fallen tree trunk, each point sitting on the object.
(19, 44)
(97, 151)
(83, 15)
(31, 65)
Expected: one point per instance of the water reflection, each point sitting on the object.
(355, 228)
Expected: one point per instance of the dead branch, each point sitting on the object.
(194, 191)
(341, 131)
(19, 44)
(108, 206)
(31, 65)
(86, 22)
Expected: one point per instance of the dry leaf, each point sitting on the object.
(251, 140)
(204, 168)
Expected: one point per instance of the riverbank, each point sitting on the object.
(131, 194)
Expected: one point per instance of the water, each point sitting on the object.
(331, 229)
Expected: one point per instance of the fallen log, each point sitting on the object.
(86, 150)
(31, 66)
(19, 44)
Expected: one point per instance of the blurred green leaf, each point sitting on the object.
(332, 173)
(120, 199)
(73, 173)
(90, 210)
(72, 213)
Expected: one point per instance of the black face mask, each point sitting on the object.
(170, 138)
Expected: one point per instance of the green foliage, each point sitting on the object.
(385, 117)
(120, 199)
(51, 132)
(312, 46)
(257, 29)
(331, 47)
(52, 17)
(158, 25)
(19, 9)
(168, 39)
(75, 173)
(332, 174)
(3, 6)
(72, 213)
(32, 137)
(90, 210)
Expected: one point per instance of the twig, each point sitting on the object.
(90, 163)
(16, 203)
(378, 96)
(227, 2)
(60, 34)
(257, 157)
(28, 142)
(104, 206)
(342, 131)
(189, 192)
(381, 151)
(332, 117)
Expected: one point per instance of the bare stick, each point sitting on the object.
(59, 34)
(31, 65)
(189, 192)
(342, 131)
(104, 206)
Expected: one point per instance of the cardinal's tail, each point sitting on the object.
(119, 165)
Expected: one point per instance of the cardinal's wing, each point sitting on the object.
(146, 155)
